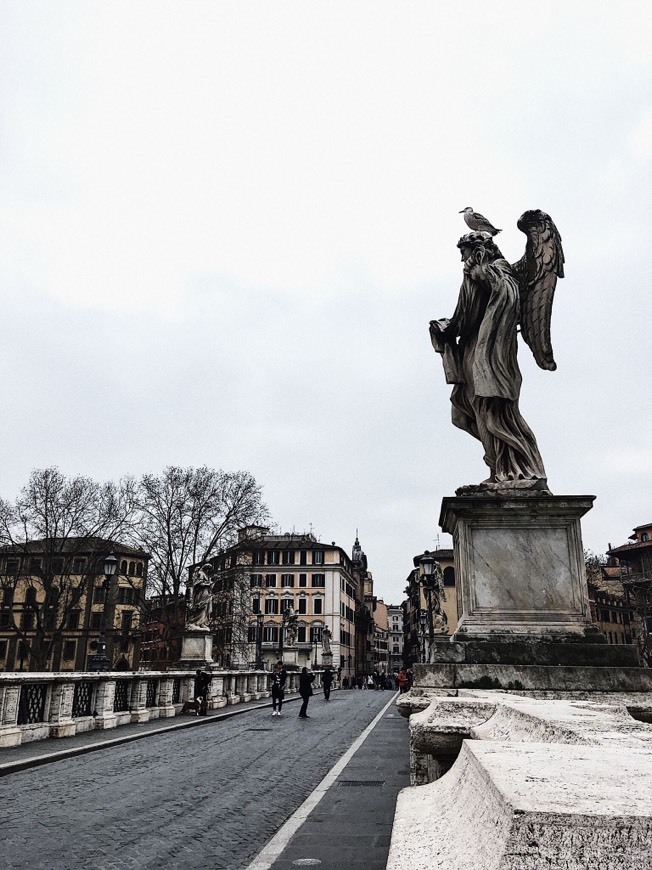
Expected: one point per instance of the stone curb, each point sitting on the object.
(49, 758)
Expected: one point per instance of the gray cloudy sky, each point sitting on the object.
(225, 227)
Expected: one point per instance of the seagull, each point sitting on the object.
(475, 221)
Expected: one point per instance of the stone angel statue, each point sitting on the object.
(478, 345)
(199, 609)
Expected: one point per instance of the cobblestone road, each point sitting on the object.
(206, 797)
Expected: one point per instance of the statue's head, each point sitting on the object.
(478, 250)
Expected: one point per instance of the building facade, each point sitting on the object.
(395, 639)
(416, 616)
(275, 595)
(53, 602)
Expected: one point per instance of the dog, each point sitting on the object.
(192, 706)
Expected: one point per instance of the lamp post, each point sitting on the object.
(422, 632)
(426, 569)
(259, 641)
(99, 661)
(314, 663)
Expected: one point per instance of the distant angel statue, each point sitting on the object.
(199, 608)
(479, 346)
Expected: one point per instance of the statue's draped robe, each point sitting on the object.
(483, 367)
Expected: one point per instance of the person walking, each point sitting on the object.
(305, 690)
(279, 676)
(327, 682)
(402, 680)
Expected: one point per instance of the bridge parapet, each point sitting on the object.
(38, 706)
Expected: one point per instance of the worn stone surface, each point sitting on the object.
(520, 566)
(529, 806)
(539, 652)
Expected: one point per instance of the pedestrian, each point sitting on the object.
(305, 690)
(345, 683)
(327, 681)
(279, 676)
(359, 682)
(402, 680)
(370, 682)
(202, 681)
(410, 676)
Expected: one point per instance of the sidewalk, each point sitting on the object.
(28, 755)
(351, 825)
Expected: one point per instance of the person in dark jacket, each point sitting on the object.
(202, 682)
(305, 690)
(327, 682)
(279, 676)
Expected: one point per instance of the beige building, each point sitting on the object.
(52, 602)
(417, 622)
(264, 576)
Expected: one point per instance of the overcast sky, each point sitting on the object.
(225, 227)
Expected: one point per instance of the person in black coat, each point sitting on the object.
(279, 676)
(305, 690)
(327, 682)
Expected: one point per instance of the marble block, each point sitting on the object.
(196, 648)
(520, 567)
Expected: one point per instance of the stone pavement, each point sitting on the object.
(210, 792)
(352, 824)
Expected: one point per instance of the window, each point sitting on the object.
(315, 633)
(3, 649)
(139, 569)
(123, 567)
(272, 557)
(96, 620)
(318, 580)
(30, 596)
(287, 580)
(303, 580)
(256, 581)
(7, 596)
(73, 620)
(252, 633)
(13, 566)
(301, 634)
(255, 605)
(317, 606)
(5, 618)
(127, 616)
(27, 620)
(34, 566)
(317, 557)
(288, 557)
(259, 557)
(645, 536)
(79, 565)
(57, 566)
(449, 576)
(69, 649)
(270, 581)
(98, 595)
(303, 605)
(270, 634)
(271, 606)
(303, 557)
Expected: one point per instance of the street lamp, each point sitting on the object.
(99, 661)
(423, 614)
(259, 641)
(426, 569)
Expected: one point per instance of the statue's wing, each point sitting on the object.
(537, 274)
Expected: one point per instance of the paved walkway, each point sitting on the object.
(345, 819)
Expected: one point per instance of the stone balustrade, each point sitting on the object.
(38, 706)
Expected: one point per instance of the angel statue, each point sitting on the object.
(198, 617)
(479, 347)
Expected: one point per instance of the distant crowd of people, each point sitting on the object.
(379, 680)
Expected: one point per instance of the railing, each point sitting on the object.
(39, 706)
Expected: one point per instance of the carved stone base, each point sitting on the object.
(520, 566)
(291, 656)
(196, 649)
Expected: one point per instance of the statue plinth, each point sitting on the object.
(291, 655)
(523, 601)
(327, 660)
(520, 567)
(196, 648)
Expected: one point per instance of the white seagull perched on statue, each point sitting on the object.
(478, 222)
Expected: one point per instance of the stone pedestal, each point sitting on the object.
(196, 649)
(520, 567)
(327, 660)
(291, 656)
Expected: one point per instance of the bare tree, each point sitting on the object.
(54, 521)
(186, 516)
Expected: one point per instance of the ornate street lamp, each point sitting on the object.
(423, 615)
(99, 661)
(259, 641)
(426, 570)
